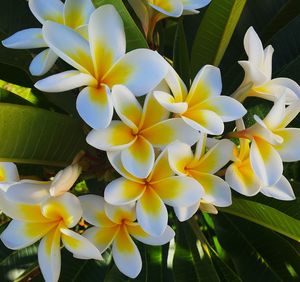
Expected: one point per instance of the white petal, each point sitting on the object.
(185, 213)
(171, 8)
(276, 114)
(194, 4)
(43, 62)
(119, 214)
(168, 102)
(8, 172)
(252, 73)
(267, 64)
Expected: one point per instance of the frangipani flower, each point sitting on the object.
(202, 108)
(36, 215)
(258, 80)
(8, 175)
(114, 226)
(100, 64)
(139, 131)
(152, 193)
(242, 178)
(272, 142)
(74, 13)
(202, 166)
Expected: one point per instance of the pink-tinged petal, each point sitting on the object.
(227, 108)
(171, 8)
(138, 233)
(141, 10)
(267, 64)
(153, 112)
(207, 207)
(281, 190)
(117, 136)
(101, 237)
(241, 178)
(20, 234)
(49, 255)
(93, 211)
(252, 74)
(265, 161)
(138, 159)
(127, 106)
(161, 168)
(289, 148)
(140, 70)
(77, 12)
(276, 114)
(65, 179)
(290, 113)
(8, 172)
(207, 84)
(95, 106)
(152, 213)
(47, 10)
(65, 207)
(25, 39)
(168, 131)
(253, 47)
(216, 158)
(178, 191)
(43, 62)
(169, 103)
(122, 191)
(121, 214)
(126, 255)
(176, 85)
(194, 4)
(217, 191)
(204, 120)
(65, 81)
(79, 245)
(185, 213)
(76, 52)
(107, 38)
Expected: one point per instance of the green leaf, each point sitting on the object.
(37, 136)
(134, 36)
(215, 31)
(266, 216)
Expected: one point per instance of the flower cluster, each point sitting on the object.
(160, 147)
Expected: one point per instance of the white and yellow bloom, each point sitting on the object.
(101, 63)
(73, 13)
(203, 108)
(36, 215)
(258, 80)
(114, 226)
(152, 193)
(242, 178)
(202, 166)
(8, 175)
(139, 131)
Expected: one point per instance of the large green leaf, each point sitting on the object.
(134, 37)
(37, 136)
(266, 216)
(215, 31)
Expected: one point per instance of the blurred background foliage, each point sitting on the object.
(256, 239)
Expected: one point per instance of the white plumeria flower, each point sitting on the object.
(101, 63)
(202, 166)
(114, 226)
(8, 175)
(139, 131)
(36, 215)
(242, 178)
(272, 143)
(258, 80)
(152, 11)
(202, 108)
(73, 13)
(152, 193)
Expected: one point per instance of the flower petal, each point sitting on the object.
(152, 213)
(282, 190)
(171, 8)
(64, 81)
(107, 38)
(185, 213)
(168, 102)
(138, 159)
(126, 255)
(43, 62)
(290, 113)
(168, 131)
(117, 136)
(194, 4)
(140, 70)
(267, 64)
(119, 214)
(178, 191)
(76, 52)
(176, 85)
(141, 10)
(253, 74)
(8, 172)
(47, 10)
(95, 106)
(276, 114)
(208, 208)
(138, 233)
(26, 39)
(265, 161)
(79, 245)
